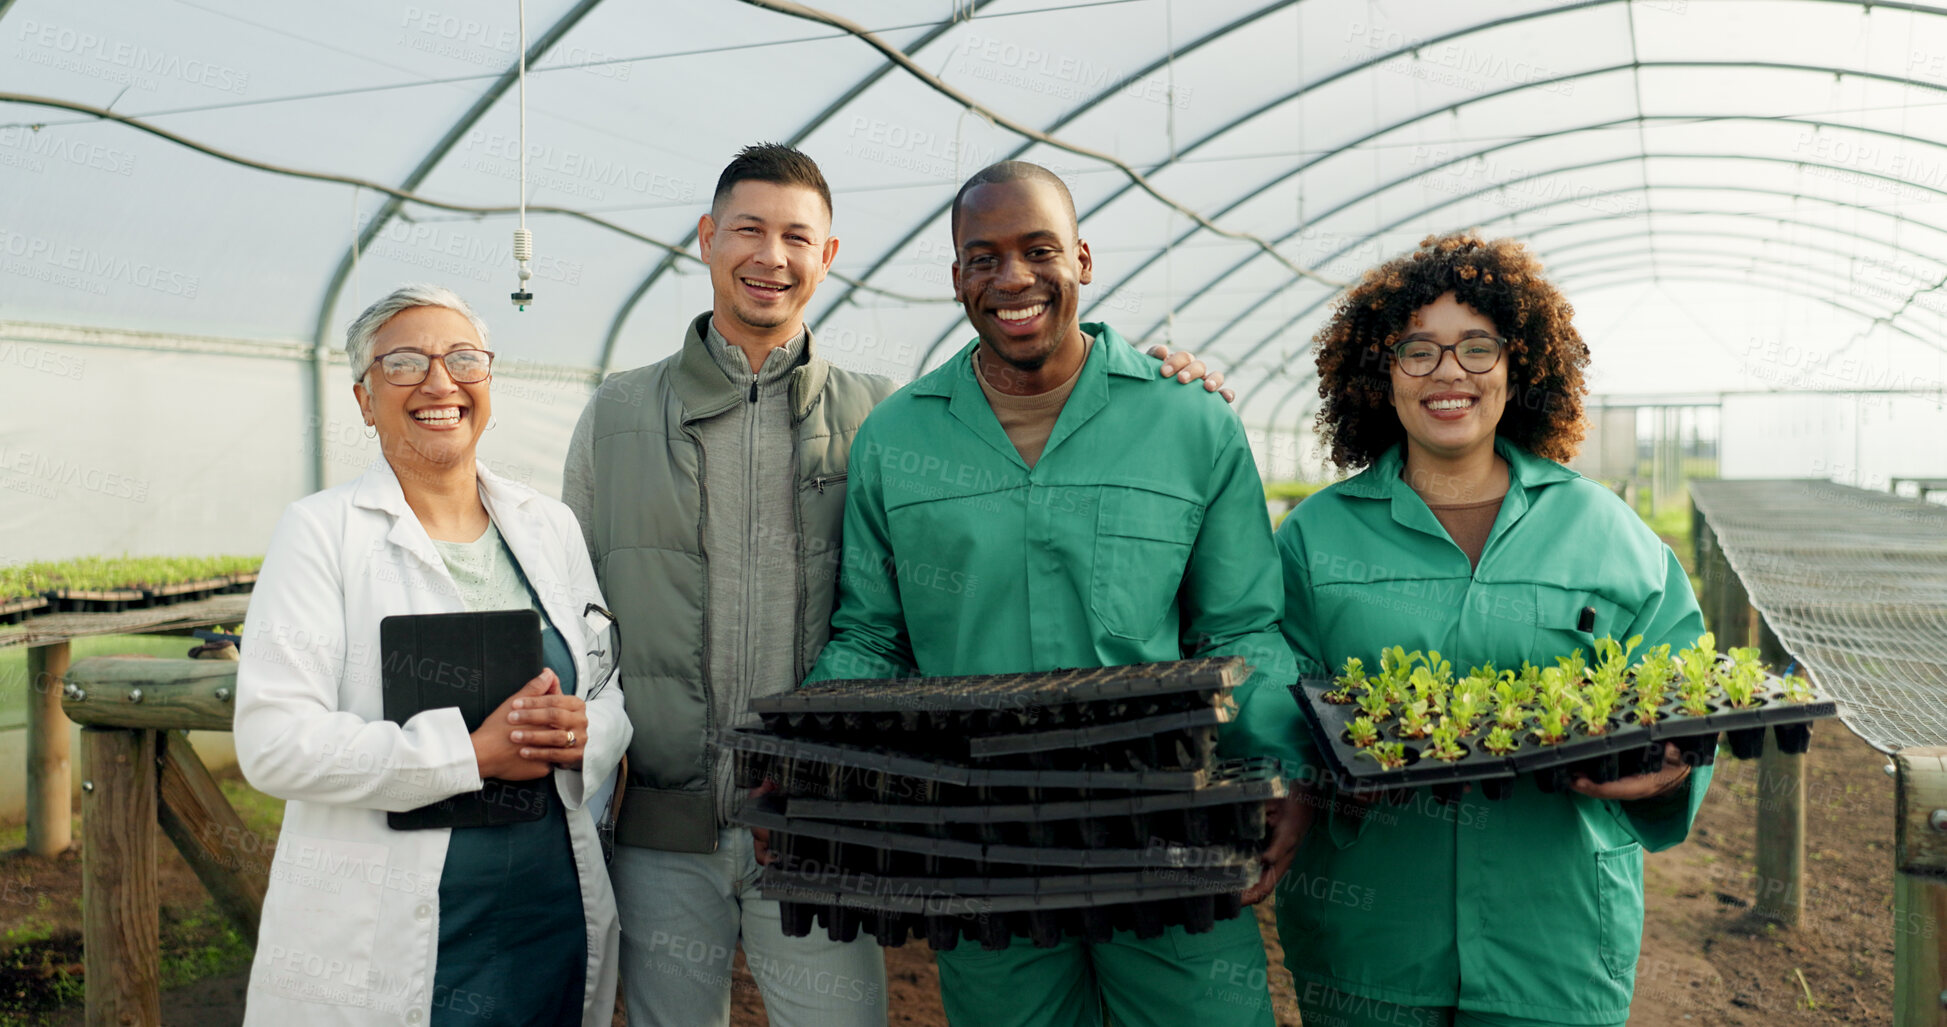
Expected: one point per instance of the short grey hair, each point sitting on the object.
(364, 328)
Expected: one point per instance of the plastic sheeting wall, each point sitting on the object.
(1860, 439)
(105, 450)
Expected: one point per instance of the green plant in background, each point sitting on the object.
(1389, 755)
(1500, 741)
(1743, 678)
(119, 573)
(1363, 731)
(1574, 666)
(1353, 678)
(1444, 741)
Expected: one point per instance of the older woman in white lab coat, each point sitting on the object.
(364, 924)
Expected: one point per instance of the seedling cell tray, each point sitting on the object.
(13, 611)
(1245, 782)
(1100, 734)
(868, 842)
(1627, 748)
(837, 770)
(1014, 692)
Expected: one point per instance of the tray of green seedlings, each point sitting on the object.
(102, 584)
(1416, 723)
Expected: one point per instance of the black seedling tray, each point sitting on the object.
(1628, 748)
(895, 853)
(994, 921)
(1007, 692)
(1252, 781)
(1102, 734)
(837, 771)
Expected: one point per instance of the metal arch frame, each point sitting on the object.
(1301, 315)
(1756, 216)
(1394, 127)
(392, 204)
(1581, 281)
(1222, 31)
(1461, 159)
(1425, 211)
(1403, 180)
(668, 261)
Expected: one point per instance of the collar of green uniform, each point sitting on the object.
(1524, 468)
(705, 391)
(1118, 358)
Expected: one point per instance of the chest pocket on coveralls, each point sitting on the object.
(1142, 543)
(1559, 622)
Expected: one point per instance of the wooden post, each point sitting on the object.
(1920, 889)
(50, 781)
(1781, 814)
(118, 878)
(160, 695)
(232, 861)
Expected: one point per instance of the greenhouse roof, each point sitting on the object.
(1738, 194)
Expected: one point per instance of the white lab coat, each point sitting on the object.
(350, 929)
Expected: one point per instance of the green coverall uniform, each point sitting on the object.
(1528, 909)
(1139, 535)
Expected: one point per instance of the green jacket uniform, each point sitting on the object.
(1139, 535)
(1531, 906)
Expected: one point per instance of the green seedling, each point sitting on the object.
(1363, 732)
(1574, 666)
(1373, 704)
(1558, 706)
(1428, 689)
(1598, 705)
(1353, 679)
(1797, 688)
(1612, 661)
(1470, 700)
(1653, 675)
(1743, 679)
(1444, 741)
(1648, 710)
(1500, 741)
(1389, 755)
(1510, 717)
(1415, 719)
(1696, 662)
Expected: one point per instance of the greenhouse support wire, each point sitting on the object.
(412, 197)
(896, 56)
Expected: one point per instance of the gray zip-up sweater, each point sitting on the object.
(691, 493)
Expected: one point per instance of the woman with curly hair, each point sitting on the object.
(1452, 380)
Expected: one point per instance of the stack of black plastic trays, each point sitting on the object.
(1073, 802)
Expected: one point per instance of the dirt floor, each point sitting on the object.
(1708, 956)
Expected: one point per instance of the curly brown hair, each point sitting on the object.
(1502, 281)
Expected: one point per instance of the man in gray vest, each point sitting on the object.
(710, 487)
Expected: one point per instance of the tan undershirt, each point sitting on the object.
(1029, 420)
(1468, 524)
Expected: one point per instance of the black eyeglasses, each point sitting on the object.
(1418, 357)
(410, 367)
